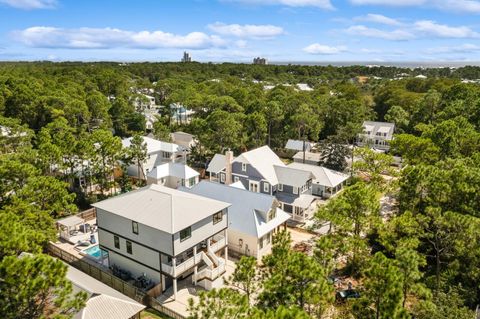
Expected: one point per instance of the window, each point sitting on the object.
(268, 238)
(185, 233)
(260, 242)
(129, 247)
(217, 217)
(244, 167)
(135, 227)
(116, 242)
(236, 178)
(222, 178)
(295, 190)
(280, 187)
(166, 154)
(266, 187)
(191, 181)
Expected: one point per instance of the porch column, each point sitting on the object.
(174, 266)
(226, 245)
(195, 271)
(195, 255)
(174, 288)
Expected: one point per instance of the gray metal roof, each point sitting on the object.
(104, 302)
(263, 159)
(322, 175)
(178, 170)
(154, 146)
(297, 145)
(217, 163)
(290, 176)
(243, 215)
(309, 156)
(381, 127)
(163, 208)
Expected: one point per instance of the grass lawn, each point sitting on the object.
(150, 313)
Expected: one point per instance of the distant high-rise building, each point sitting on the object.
(259, 60)
(186, 57)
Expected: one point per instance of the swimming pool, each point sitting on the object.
(94, 252)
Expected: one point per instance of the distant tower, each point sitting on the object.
(186, 57)
(259, 60)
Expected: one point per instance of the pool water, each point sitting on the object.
(94, 251)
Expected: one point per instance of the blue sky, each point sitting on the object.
(238, 30)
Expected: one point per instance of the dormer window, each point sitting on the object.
(244, 167)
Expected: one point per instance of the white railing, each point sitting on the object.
(220, 242)
(210, 274)
(167, 268)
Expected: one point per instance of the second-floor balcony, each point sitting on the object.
(204, 251)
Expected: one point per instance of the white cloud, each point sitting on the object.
(432, 28)
(389, 2)
(30, 4)
(102, 38)
(378, 18)
(396, 35)
(466, 6)
(322, 4)
(246, 31)
(464, 48)
(317, 48)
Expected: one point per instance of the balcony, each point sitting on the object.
(218, 241)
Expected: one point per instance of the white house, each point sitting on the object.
(376, 135)
(173, 175)
(253, 218)
(326, 182)
(165, 235)
(103, 302)
(158, 152)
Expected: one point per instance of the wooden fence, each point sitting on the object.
(88, 214)
(104, 275)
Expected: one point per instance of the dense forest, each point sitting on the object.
(420, 262)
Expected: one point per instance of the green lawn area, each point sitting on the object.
(150, 313)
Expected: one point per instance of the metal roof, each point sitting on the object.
(263, 159)
(322, 175)
(245, 214)
(104, 302)
(297, 145)
(291, 176)
(309, 156)
(178, 170)
(154, 146)
(163, 208)
(217, 163)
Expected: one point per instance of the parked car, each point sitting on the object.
(343, 295)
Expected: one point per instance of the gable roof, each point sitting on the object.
(322, 175)
(245, 214)
(291, 176)
(178, 170)
(263, 159)
(162, 208)
(154, 146)
(381, 127)
(297, 145)
(217, 163)
(104, 302)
